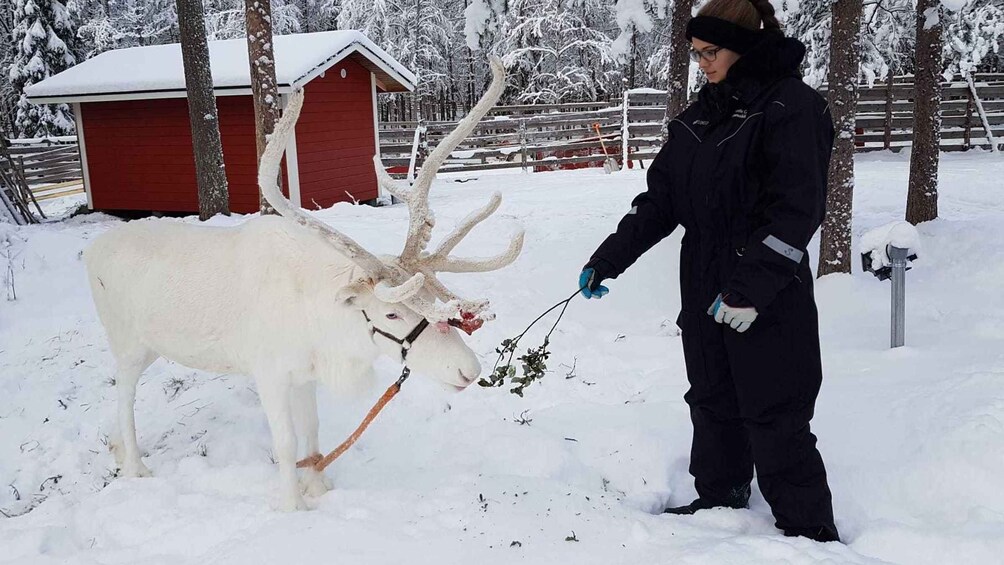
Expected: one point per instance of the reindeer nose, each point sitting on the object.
(443, 327)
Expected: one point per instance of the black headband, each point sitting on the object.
(722, 33)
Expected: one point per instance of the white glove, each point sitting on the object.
(740, 319)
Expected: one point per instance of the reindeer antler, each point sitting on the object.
(268, 172)
(468, 314)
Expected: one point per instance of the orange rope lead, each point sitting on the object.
(319, 463)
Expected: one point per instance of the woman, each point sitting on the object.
(744, 172)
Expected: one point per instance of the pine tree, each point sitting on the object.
(225, 18)
(551, 52)
(210, 174)
(845, 58)
(264, 90)
(810, 24)
(922, 195)
(127, 23)
(635, 19)
(974, 38)
(8, 96)
(40, 51)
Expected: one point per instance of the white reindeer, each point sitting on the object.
(288, 301)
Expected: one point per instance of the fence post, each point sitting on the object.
(625, 133)
(967, 128)
(522, 142)
(887, 139)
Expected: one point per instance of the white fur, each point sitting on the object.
(281, 299)
(267, 299)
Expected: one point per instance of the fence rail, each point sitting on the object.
(564, 135)
(50, 168)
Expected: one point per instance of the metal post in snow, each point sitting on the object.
(898, 255)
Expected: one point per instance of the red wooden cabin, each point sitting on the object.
(135, 137)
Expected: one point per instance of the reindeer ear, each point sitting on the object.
(349, 295)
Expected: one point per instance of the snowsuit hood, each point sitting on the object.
(773, 58)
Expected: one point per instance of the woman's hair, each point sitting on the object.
(746, 13)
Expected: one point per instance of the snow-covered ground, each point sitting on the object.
(913, 438)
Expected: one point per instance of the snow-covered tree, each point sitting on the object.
(8, 96)
(126, 23)
(551, 51)
(636, 19)
(225, 18)
(974, 37)
(40, 51)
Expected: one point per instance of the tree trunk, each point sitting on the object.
(845, 58)
(209, 170)
(922, 196)
(264, 92)
(679, 61)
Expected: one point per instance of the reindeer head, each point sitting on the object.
(410, 279)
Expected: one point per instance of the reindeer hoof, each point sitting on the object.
(292, 503)
(314, 484)
(135, 469)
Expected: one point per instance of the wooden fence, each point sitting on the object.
(547, 137)
(885, 113)
(51, 168)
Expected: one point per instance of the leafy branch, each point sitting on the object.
(533, 362)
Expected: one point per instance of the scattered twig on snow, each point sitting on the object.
(523, 419)
(572, 537)
(571, 370)
(55, 481)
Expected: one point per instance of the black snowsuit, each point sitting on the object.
(744, 172)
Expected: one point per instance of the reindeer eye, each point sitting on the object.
(392, 316)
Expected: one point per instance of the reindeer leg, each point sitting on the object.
(275, 399)
(304, 405)
(124, 446)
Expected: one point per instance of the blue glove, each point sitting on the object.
(590, 278)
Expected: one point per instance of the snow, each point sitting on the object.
(898, 234)
(913, 438)
(932, 17)
(476, 17)
(160, 67)
(955, 5)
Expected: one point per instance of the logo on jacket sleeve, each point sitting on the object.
(740, 113)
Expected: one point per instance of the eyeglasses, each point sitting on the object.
(709, 54)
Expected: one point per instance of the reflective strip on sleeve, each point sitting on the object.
(783, 248)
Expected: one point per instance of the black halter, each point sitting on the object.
(404, 343)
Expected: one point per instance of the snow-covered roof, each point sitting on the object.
(158, 71)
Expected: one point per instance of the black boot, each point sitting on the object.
(820, 534)
(738, 498)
